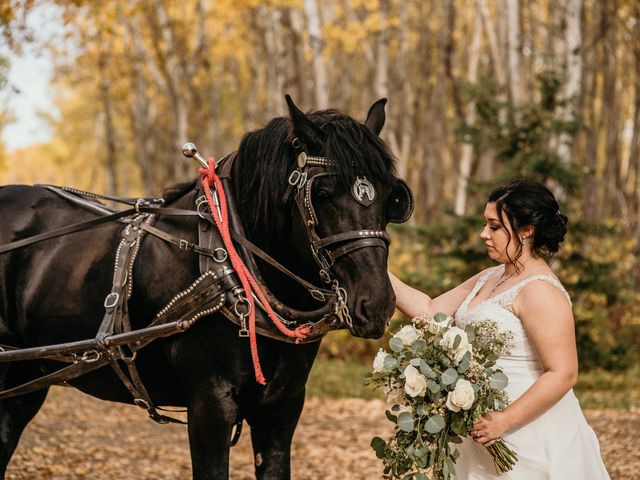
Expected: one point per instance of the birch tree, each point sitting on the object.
(315, 39)
(466, 156)
(573, 83)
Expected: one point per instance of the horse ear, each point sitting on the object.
(375, 117)
(304, 128)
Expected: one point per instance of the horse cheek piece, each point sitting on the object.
(156, 288)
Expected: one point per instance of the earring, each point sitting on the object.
(525, 240)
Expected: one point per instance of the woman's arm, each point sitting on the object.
(412, 302)
(548, 321)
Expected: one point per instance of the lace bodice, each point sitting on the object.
(500, 309)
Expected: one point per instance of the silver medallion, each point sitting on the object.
(363, 191)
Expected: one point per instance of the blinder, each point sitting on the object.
(400, 206)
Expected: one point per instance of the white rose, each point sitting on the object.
(449, 338)
(408, 334)
(462, 396)
(378, 362)
(415, 384)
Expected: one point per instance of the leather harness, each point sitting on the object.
(217, 288)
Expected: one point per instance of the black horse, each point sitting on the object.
(53, 292)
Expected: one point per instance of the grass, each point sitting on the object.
(595, 389)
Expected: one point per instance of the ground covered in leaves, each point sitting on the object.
(78, 437)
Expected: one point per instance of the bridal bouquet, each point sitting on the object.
(439, 378)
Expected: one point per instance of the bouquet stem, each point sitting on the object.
(503, 457)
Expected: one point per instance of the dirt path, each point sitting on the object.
(77, 437)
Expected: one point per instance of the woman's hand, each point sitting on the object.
(489, 428)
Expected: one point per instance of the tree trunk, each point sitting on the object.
(466, 157)
(610, 105)
(104, 60)
(175, 77)
(574, 75)
(514, 54)
(634, 151)
(317, 44)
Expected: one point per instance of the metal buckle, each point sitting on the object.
(324, 276)
(111, 300)
(90, 356)
(318, 295)
(294, 178)
(184, 244)
(141, 202)
(223, 256)
(200, 201)
(243, 332)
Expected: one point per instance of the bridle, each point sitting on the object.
(301, 179)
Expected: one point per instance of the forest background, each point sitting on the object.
(480, 92)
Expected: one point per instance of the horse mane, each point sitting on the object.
(174, 192)
(266, 158)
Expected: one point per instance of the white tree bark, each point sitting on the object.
(381, 81)
(466, 156)
(574, 74)
(514, 53)
(494, 46)
(317, 44)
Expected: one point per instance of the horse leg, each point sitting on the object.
(212, 413)
(272, 430)
(15, 414)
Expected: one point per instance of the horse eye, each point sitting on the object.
(322, 194)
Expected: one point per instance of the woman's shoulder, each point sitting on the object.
(542, 288)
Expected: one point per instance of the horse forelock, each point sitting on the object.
(266, 158)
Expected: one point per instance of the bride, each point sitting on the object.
(543, 423)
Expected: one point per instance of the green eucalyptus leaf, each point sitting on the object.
(471, 333)
(445, 361)
(379, 446)
(421, 410)
(499, 381)
(405, 422)
(419, 346)
(464, 363)
(434, 423)
(449, 376)
(458, 424)
(396, 344)
(389, 363)
(450, 465)
(426, 370)
(439, 317)
(415, 362)
(456, 342)
(420, 475)
(433, 386)
(391, 416)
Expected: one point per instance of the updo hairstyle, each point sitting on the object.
(527, 203)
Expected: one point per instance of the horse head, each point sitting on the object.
(317, 191)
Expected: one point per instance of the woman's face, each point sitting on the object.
(495, 236)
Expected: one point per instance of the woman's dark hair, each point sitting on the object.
(527, 203)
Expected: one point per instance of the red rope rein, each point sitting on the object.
(249, 284)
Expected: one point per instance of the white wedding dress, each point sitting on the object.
(557, 445)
